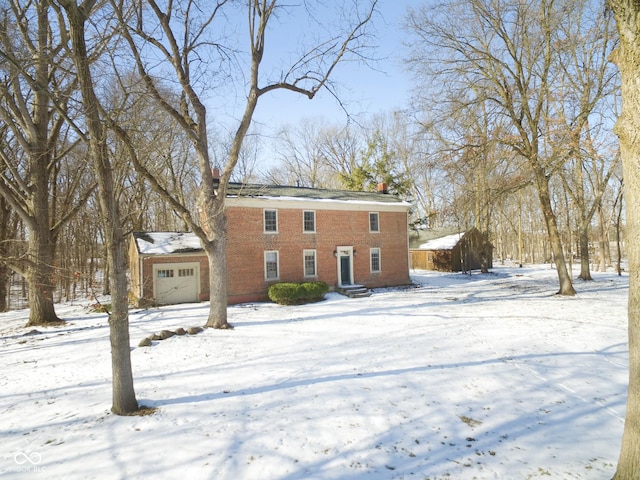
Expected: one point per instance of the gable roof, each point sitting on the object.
(443, 243)
(449, 242)
(301, 193)
(155, 243)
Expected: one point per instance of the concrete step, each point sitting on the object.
(354, 291)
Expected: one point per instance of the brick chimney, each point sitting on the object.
(215, 173)
(382, 188)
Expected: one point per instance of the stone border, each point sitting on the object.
(164, 334)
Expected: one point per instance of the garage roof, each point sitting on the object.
(153, 243)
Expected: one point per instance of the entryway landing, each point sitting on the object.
(354, 291)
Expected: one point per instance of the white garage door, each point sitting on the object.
(176, 283)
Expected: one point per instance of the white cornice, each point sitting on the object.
(316, 204)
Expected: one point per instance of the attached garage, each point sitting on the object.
(167, 268)
(176, 283)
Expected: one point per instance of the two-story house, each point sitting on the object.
(281, 234)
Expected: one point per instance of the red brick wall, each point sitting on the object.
(247, 243)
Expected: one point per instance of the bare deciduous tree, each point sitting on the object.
(8, 227)
(586, 83)
(317, 155)
(123, 393)
(504, 53)
(340, 148)
(627, 58)
(301, 161)
(33, 106)
(178, 33)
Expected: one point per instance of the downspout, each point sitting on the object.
(408, 246)
(141, 277)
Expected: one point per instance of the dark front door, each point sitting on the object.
(345, 270)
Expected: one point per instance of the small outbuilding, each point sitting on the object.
(459, 252)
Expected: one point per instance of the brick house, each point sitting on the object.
(281, 234)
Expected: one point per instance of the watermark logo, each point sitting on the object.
(34, 458)
(27, 462)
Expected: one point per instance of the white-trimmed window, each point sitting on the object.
(271, 221)
(374, 255)
(374, 222)
(310, 265)
(271, 267)
(309, 221)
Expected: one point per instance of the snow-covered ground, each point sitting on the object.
(460, 377)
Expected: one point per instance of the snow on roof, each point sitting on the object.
(308, 193)
(150, 243)
(325, 200)
(442, 243)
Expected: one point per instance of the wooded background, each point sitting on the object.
(513, 102)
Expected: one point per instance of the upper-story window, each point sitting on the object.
(374, 222)
(271, 221)
(309, 221)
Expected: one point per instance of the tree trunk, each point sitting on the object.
(123, 393)
(40, 268)
(4, 270)
(627, 58)
(217, 284)
(40, 277)
(214, 219)
(213, 215)
(585, 270)
(4, 287)
(603, 240)
(124, 399)
(484, 253)
(618, 241)
(4, 284)
(542, 184)
(585, 220)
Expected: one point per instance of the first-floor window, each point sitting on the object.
(375, 259)
(309, 263)
(271, 265)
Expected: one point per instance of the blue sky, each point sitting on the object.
(365, 90)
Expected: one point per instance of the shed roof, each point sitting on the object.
(443, 243)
